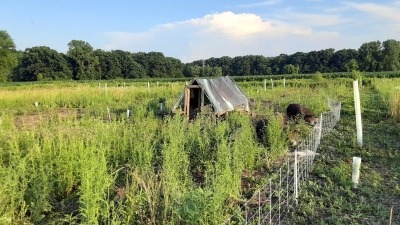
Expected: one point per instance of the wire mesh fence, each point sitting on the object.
(272, 202)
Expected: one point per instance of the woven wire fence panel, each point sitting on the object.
(271, 203)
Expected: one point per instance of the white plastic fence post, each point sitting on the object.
(36, 104)
(265, 84)
(284, 82)
(272, 83)
(157, 83)
(357, 107)
(319, 131)
(148, 85)
(127, 113)
(161, 106)
(108, 112)
(358, 112)
(356, 170)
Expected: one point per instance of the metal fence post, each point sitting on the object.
(245, 211)
(270, 201)
(295, 177)
(279, 197)
(259, 206)
(287, 184)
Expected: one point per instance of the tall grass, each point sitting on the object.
(175, 167)
(395, 105)
(390, 92)
(67, 162)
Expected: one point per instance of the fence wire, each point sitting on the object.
(272, 202)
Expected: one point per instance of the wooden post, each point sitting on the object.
(187, 101)
(390, 215)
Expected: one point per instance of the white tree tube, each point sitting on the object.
(356, 170)
(358, 112)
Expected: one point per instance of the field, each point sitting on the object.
(105, 153)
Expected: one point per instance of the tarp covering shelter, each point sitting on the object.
(221, 93)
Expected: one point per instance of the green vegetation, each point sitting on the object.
(78, 158)
(82, 62)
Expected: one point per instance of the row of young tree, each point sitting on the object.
(82, 62)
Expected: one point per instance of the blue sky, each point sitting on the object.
(192, 30)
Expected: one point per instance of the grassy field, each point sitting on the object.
(70, 154)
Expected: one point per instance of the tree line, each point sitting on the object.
(82, 62)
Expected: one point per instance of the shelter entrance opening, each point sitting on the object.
(194, 100)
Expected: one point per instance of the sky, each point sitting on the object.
(201, 29)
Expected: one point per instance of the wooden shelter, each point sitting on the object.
(220, 94)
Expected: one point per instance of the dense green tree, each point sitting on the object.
(109, 67)
(241, 66)
(8, 56)
(317, 61)
(174, 67)
(344, 59)
(351, 65)
(260, 65)
(224, 63)
(141, 58)
(157, 65)
(200, 71)
(42, 63)
(83, 60)
(127, 64)
(370, 56)
(291, 69)
(390, 55)
(278, 62)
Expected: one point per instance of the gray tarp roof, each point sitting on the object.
(223, 94)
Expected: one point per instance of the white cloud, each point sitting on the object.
(317, 20)
(390, 12)
(233, 24)
(226, 33)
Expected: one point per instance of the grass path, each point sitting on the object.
(330, 197)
